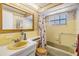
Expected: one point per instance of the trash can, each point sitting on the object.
(41, 52)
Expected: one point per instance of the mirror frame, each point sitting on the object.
(14, 30)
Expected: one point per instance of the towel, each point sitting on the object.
(77, 49)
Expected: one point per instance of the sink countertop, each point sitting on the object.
(35, 38)
(4, 51)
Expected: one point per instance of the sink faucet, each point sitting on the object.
(23, 35)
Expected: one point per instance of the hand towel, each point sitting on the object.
(77, 49)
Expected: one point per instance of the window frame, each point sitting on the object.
(60, 19)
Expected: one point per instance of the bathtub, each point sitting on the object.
(52, 51)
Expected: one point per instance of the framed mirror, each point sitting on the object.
(14, 19)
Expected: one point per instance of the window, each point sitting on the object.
(59, 19)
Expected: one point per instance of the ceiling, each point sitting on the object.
(40, 6)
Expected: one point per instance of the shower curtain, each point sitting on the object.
(42, 31)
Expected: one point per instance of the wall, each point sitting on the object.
(77, 21)
(4, 37)
(53, 32)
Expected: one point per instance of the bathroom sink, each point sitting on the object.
(18, 45)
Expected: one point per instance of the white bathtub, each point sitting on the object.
(52, 51)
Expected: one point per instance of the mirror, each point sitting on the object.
(16, 19)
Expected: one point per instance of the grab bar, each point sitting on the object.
(59, 39)
(69, 33)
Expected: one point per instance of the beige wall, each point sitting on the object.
(30, 34)
(53, 31)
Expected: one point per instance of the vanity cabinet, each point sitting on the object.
(30, 51)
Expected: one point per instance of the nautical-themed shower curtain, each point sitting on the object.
(42, 31)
